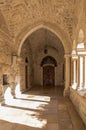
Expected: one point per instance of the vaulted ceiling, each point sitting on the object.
(19, 13)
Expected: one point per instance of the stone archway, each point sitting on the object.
(66, 42)
(28, 30)
(48, 64)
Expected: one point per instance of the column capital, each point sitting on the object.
(74, 57)
(67, 55)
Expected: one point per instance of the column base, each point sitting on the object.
(79, 88)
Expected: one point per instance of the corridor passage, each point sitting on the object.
(40, 109)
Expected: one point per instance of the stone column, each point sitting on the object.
(78, 76)
(2, 100)
(84, 73)
(71, 72)
(75, 71)
(18, 88)
(12, 86)
(67, 75)
(81, 71)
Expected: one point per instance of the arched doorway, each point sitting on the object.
(48, 63)
(61, 47)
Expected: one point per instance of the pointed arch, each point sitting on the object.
(60, 33)
(48, 60)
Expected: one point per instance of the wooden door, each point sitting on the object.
(48, 76)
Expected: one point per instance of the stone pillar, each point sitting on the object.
(84, 74)
(12, 86)
(75, 71)
(2, 100)
(67, 75)
(80, 75)
(14, 77)
(71, 72)
(19, 64)
(78, 83)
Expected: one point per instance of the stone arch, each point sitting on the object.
(48, 60)
(56, 30)
(60, 33)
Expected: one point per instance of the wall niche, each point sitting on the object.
(5, 79)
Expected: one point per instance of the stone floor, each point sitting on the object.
(40, 109)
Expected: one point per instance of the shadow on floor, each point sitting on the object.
(40, 109)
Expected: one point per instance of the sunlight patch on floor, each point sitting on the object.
(34, 97)
(35, 102)
(35, 105)
(30, 96)
(24, 109)
(22, 117)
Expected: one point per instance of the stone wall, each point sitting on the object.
(26, 60)
(8, 70)
(79, 102)
(38, 70)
